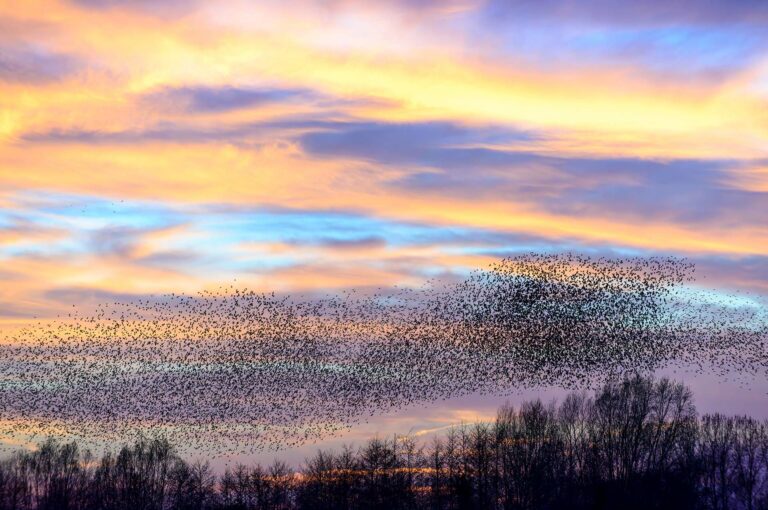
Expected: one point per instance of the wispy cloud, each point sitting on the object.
(34, 65)
(153, 145)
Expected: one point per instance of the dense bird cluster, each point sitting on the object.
(237, 371)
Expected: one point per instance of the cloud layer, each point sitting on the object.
(168, 146)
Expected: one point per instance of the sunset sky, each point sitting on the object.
(180, 145)
(165, 146)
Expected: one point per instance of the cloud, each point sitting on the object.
(17, 230)
(19, 30)
(745, 273)
(685, 191)
(367, 242)
(27, 64)
(114, 241)
(651, 12)
(164, 132)
(185, 132)
(159, 8)
(448, 144)
(203, 99)
(436, 144)
(448, 159)
(91, 296)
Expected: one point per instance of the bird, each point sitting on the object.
(232, 371)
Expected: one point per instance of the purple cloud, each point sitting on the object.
(27, 64)
(219, 99)
(684, 190)
(648, 12)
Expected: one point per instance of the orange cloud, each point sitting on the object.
(126, 57)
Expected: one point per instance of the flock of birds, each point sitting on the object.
(235, 371)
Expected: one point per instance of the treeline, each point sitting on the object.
(637, 443)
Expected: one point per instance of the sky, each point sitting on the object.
(175, 146)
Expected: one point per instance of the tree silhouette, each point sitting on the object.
(637, 443)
